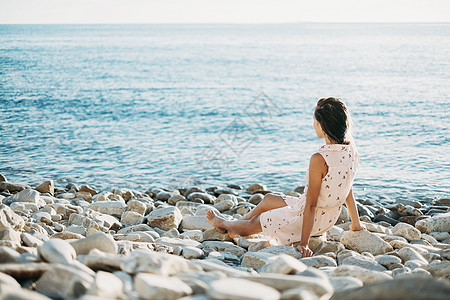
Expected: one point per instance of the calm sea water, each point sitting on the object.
(145, 105)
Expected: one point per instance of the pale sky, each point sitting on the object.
(222, 11)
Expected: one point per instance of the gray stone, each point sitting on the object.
(224, 205)
(284, 264)
(137, 206)
(439, 222)
(408, 253)
(224, 246)
(363, 262)
(131, 218)
(235, 288)
(207, 198)
(57, 251)
(151, 286)
(113, 208)
(26, 195)
(9, 219)
(9, 234)
(64, 282)
(196, 235)
(147, 261)
(438, 268)
(165, 218)
(362, 274)
(335, 233)
(319, 261)
(190, 252)
(257, 260)
(106, 285)
(388, 260)
(289, 250)
(407, 231)
(364, 241)
(345, 283)
(101, 241)
(319, 286)
(329, 246)
(214, 235)
(407, 288)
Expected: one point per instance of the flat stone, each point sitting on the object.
(9, 219)
(106, 285)
(257, 260)
(438, 268)
(284, 264)
(150, 286)
(113, 208)
(440, 236)
(329, 246)
(319, 261)
(101, 241)
(206, 198)
(407, 231)
(24, 271)
(12, 187)
(335, 234)
(8, 255)
(362, 274)
(363, 262)
(190, 252)
(64, 282)
(214, 235)
(280, 249)
(345, 283)
(30, 240)
(439, 222)
(165, 218)
(255, 244)
(133, 228)
(153, 262)
(224, 246)
(408, 253)
(235, 288)
(57, 251)
(388, 260)
(196, 235)
(319, 286)
(411, 289)
(364, 241)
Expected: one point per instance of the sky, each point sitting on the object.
(221, 11)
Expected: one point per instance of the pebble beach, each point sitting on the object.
(78, 242)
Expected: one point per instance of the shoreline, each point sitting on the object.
(76, 242)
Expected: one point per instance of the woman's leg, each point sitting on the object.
(269, 202)
(241, 227)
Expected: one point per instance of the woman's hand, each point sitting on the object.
(305, 251)
(357, 227)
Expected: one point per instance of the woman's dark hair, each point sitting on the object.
(333, 117)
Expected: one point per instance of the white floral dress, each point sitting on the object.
(283, 226)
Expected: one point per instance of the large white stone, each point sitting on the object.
(284, 264)
(407, 231)
(26, 195)
(9, 219)
(224, 246)
(57, 251)
(440, 222)
(408, 253)
(319, 261)
(235, 288)
(64, 282)
(113, 208)
(195, 222)
(101, 241)
(106, 285)
(365, 241)
(150, 286)
(165, 218)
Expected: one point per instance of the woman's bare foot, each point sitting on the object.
(215, 221)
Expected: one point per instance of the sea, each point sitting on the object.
(173, 105)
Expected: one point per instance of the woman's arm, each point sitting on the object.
(317, 170)
(353, 212)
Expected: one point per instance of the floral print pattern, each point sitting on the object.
(283, 226)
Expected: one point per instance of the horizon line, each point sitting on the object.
(238, 23)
